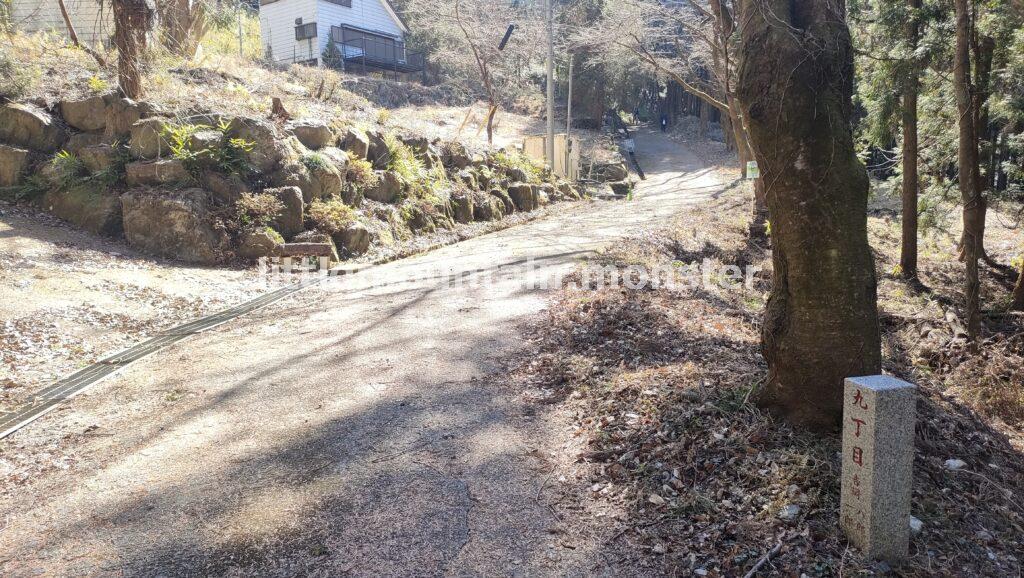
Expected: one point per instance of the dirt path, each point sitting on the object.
(363, 426)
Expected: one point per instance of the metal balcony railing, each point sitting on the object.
(368, 54)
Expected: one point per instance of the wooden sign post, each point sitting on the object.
(878, 457)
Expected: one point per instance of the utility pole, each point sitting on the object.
(550, 152)
(568, 117)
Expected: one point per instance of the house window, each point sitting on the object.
(345, 3)
(305, 31)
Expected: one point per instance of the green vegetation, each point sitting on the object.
(69, 169)
(227, 155)
(98, 85)
(425, 184)
(359, 173)
(507, 161)
(274, 235)
(258, 209)
(315, 162)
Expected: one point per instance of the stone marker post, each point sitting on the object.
(878, 457)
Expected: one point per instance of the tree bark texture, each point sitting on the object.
(911, 88)
(132, 21)
(969, 177)
(821, 322)
(1017, 303)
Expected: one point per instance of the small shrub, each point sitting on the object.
(31, 188)
(115, 172)
(359, 173)
(70, 169)
(258, 209)
(228, 156)
(315, 161)
(98, 85)
(329, 216)
(179, 140)
(274, 235)
(383, 116)
(403, 160)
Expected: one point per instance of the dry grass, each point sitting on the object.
(660, 381)
(219, 80)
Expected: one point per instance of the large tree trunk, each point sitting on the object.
(1017, 304)
(725, 27)
(132, 20)
(821, 323)
(908, 249)
(970, 178)
(183, 24)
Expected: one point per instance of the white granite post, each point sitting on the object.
(879, 413)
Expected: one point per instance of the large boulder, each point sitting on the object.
(356, 143)
(378, 153)
(205, 140)
(79, 141)
(256, 243)
(621, 188)
(294, 174)
(325, 180)
(291, 220)
(13, 162)
(267, 151)
(517, 174)
(462, 207)
(455, 156)
(121, 114)
(611, 172)
(95, 210)
(148, 139)
(29, 128)
(315, 134)
(88, 114)
(353, 240)
(419, 145)
(176, 224)
(523, 196)
(417, 218)
(226, 189)
(98, 158)
(567, 192)
(468, 178)
(506, 201)
(487, 207)
(337, 157)
(162, 172)
(387, 188)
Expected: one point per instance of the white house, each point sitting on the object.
(357, 35)
(93, 19)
